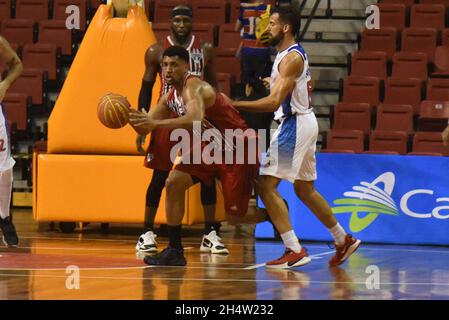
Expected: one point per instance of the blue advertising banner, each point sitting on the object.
(377, 198)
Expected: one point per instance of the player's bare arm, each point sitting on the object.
(14, 64)
(289, 69)
(446, 136)
(210, 76)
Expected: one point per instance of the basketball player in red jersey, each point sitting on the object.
(158, 153)
(191, 101)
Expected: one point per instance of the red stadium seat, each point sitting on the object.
(205, 31)
(428, 16)
(395, 117)
(42, 56)
(161, 30)
(443, 2)
(429, 142)
(227, 37)
(361, 90)
(224, 79)
(344, 141)
(392, 15)
(384, 39)
(433, 115)
(406, 2)
(59, 10)
(441, 62)
(420, 40)
(5, 9)
(404, 91)
(55, 32)
(438, 89)
(36, 10)
(227, 62)
(19, 31)
(209, 11)
(445, 37)
(388, 142)
(410, 65)
(163, 8)
(235, 12)
(353, 116)
(15, 108)
(30, 82)
(370, 64)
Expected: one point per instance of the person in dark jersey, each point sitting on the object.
(158, 154)
(190, 103)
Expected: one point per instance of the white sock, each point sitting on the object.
(291, 241)
(5, 192)
(338, 233)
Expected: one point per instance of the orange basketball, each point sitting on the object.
(113, 110)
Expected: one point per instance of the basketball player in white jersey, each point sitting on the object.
(12, 61)
(291, 155)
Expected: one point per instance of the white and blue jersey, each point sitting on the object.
(299, 101)
(291, 155)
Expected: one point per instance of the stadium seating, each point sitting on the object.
(429, 142)
(392, 15)
(369, 64)
(428, 16)
(36, 10)
(209, 11)
(410, 65)
(441, 62)
(384, 39)
(420, 40)
(406, 2)
(388, 142)
(15, 108)
(362, 90)
(438, 89)
(161, 31)
(163, 8)
(227, 62)
(227, 37)
(404, 91)
(433, 115)
(224, 79)
(353, 116)
(31, 82)
(55, 32)
(20, 31)
(205, 31)
(43, 56)
(344, 141)
(5, 9)
(395, 117)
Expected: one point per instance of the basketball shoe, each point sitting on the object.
(168, 257)
(10, 238)
(212, 243)
(147, 243)
(344, 251)
(290, 259)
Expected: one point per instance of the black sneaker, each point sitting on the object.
(10, 238)
(168, 257)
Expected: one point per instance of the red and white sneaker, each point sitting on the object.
(290, 259)
(343, 252)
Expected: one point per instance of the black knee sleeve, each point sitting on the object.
(155, 188)
(208, 194)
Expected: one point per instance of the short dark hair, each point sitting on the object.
(289, 15)
(177, 51)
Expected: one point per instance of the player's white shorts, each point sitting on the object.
(291, 155)
(6, 161)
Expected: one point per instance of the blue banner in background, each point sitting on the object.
(377, 198)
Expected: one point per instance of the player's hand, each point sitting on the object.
(140, 141)
(266, 82)
(445, 135)
(141, 122)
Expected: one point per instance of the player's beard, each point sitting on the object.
(274, 41)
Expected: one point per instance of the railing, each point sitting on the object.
(310, 17)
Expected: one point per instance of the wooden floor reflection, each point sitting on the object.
(110, 269)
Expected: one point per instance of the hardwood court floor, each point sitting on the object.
(110, 269)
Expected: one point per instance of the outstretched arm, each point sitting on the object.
(14, 64)
(289, 69)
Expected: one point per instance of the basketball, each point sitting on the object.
(113, 110)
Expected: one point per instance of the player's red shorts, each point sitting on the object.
(158, 152)
(237, 181)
